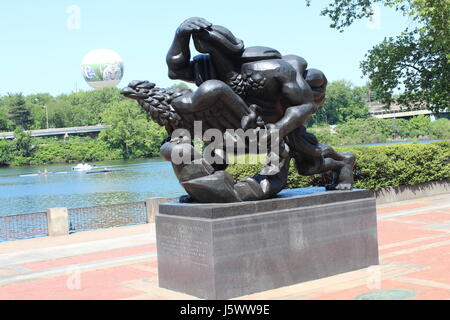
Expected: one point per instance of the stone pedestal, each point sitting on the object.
(221, 251)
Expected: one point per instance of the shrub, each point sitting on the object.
(377, 166)
(440, 129)
(6, 149)
(23, 143)
(72, 151)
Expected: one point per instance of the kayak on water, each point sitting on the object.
(104, 171)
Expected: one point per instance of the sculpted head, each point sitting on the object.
(318, 83)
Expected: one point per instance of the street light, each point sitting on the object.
(46, 113)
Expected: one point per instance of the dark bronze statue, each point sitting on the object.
(254, 89)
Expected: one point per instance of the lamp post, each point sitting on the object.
(46, 114)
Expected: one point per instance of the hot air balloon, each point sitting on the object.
(102, 68)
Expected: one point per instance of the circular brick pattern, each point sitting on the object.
(392, 294)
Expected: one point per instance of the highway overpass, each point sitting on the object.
(61, 132)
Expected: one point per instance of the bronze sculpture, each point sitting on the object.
(254, 89)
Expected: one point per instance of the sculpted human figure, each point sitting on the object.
(238, 87)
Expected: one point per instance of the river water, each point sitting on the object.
(23, 191)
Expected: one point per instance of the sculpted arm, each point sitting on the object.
(179, 56)
(300, 97)
(295, 117)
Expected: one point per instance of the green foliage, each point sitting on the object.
(409, 62)
(67, 110)
(417, 60)
(131, 131)
(440, 129)
(23, 143)
(396, 165)
(131, 135)
(5, 152)
(38, 104)
(359, 131)
(343, 102)
(73, 150)
(4, 121)
(84, 108)
(19, 110)
(53, 150)
(377, 166)
(180, 85)
(374, 130)
(325, 136)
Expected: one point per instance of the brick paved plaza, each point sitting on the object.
(121, 263)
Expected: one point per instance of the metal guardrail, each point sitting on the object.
(32, 225)
(82, 219)
(23, 226)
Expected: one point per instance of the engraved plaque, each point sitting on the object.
(184, 241)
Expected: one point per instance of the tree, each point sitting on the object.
(5, 152)
(4, 122)
(440, 129)
(38, 104)
(180, 85)
(355, 131)
(416, 61)
(419, 126)
(90, 104)
(343, 102)
(66, 110)
(19, 111)
(131, 131)
(23, 143)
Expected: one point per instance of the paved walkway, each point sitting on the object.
(120, 263)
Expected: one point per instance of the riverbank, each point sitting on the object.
(76, 150)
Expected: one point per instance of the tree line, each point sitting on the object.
(67, 110)
(343, 119)
(344, 102)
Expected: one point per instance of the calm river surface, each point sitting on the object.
(21, 191)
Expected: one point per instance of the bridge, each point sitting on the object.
(387, 114)
(61, 132)
(377, 111)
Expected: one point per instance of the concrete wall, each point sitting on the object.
(402, 193)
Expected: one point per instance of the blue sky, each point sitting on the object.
(39, 53)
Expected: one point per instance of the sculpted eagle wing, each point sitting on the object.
(157, 103)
